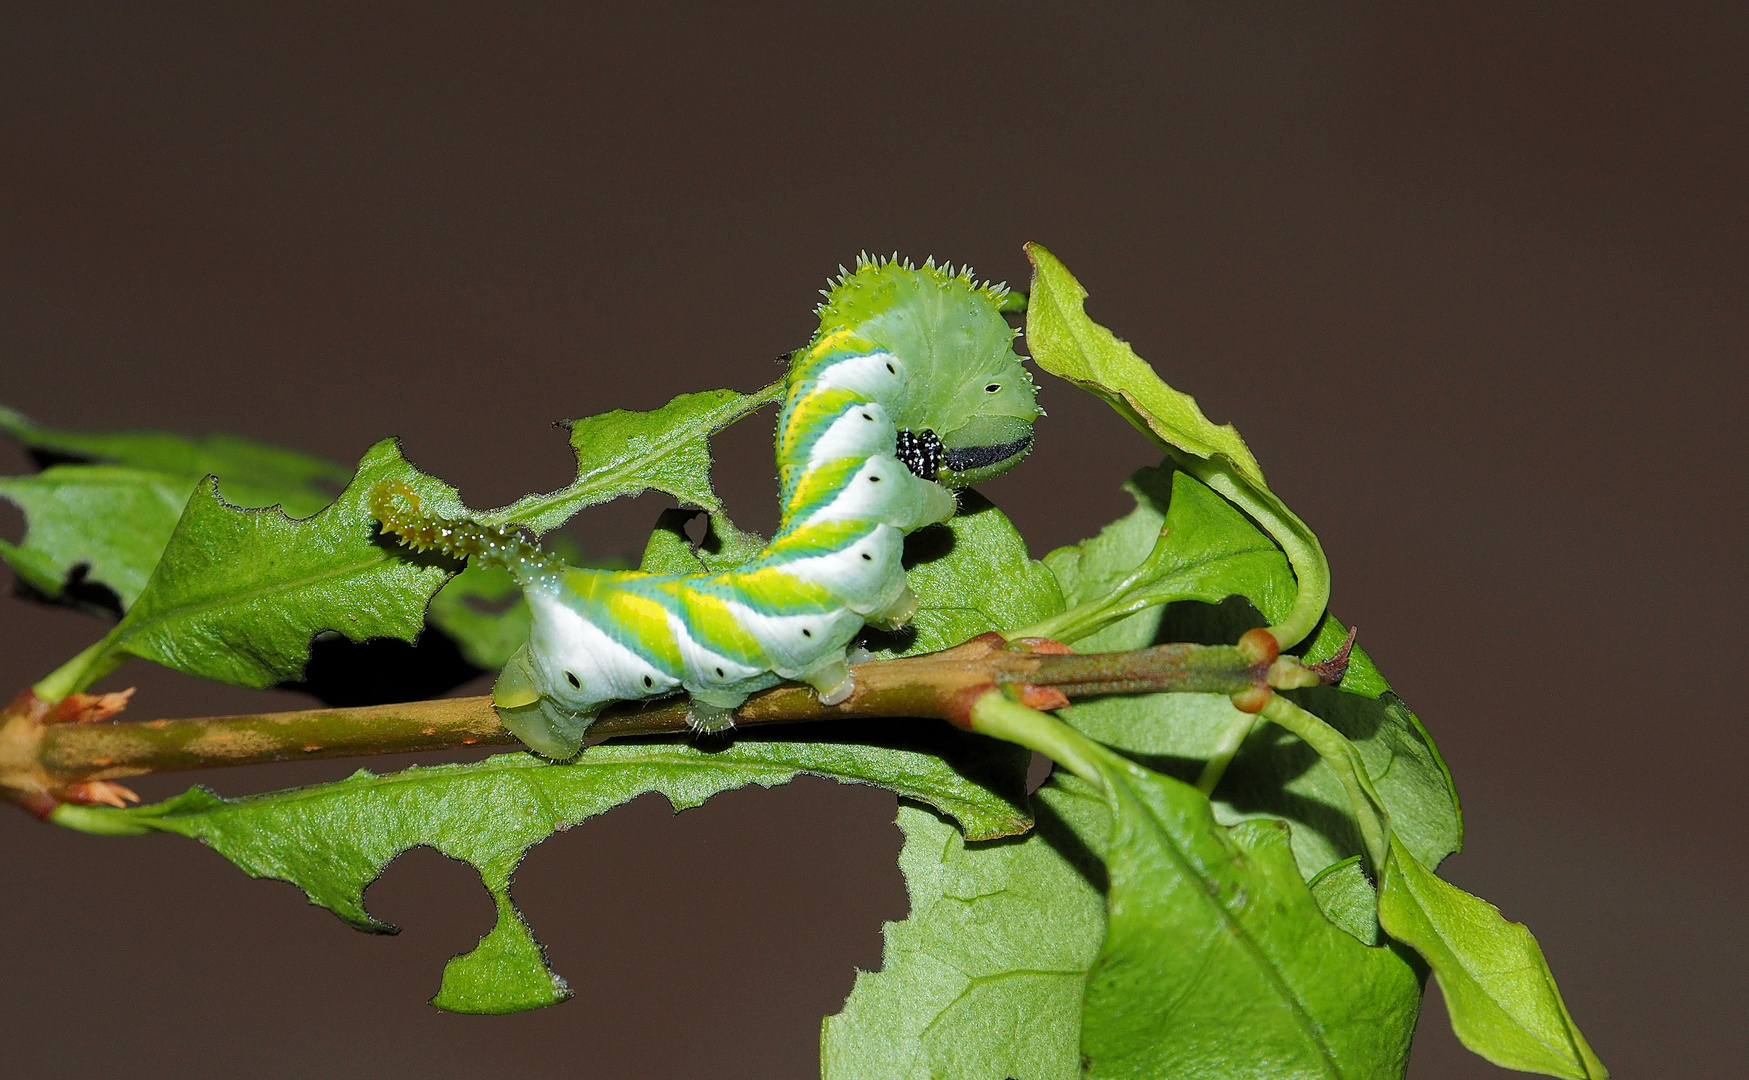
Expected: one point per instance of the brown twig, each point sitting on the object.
(44, 762)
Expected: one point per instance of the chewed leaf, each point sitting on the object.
(110, 520)
(239, 594)
(333, 840)
(983, 979)
(248, 471)
(1497, 986)
(1218, 962)
(1066, 343)
(624, 453)
(723, 547)
(105, 525)
(506, 972)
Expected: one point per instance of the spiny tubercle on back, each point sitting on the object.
(396, 505)
(943, 274)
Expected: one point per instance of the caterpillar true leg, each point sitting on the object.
(911, 387)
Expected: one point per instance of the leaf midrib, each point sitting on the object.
(1242, 934)
(124, 631)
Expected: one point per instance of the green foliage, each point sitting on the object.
(302, 482)
(973, 575)
(723, 546)
(1347, 898)
(1216, 552)
(1497, 986)
(114, 521)
(1209, 552)
(1066, 343)
(333, 840)
(114, 518)
(239, 594)
(1218, 962)
(983, 980)
(624, 453)
(1142, 929)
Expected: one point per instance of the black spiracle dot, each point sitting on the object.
(571, 677)
(648, 682)
(874, 479)
(807, 633)
(866, 557)
(992, 388)
(720, 673)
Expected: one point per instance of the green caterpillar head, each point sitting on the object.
(968, 404)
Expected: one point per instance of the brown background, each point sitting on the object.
(1472, 285)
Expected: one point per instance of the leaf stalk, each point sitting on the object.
(1344, 759)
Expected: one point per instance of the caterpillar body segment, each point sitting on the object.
(910, 387)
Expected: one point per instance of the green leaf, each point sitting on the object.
(1215, 552)
(1218, 962)
(723, 547)
(1348, 899)
(247, 470)
(1497, 986)
(1066, 343)
(111, 520)
(983, 979)
(971, 576)
(239, 593)
(624, 453)
(483, 608)
(1209, 552)
(333, 840)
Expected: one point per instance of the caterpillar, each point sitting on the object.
(909, 389)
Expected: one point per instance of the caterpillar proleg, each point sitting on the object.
(910, 388)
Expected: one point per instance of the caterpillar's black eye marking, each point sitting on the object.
(648, 682)
(576, 683)
(920, 451)
(992, 388)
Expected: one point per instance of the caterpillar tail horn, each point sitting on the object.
(545, 728)
(397, 506)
